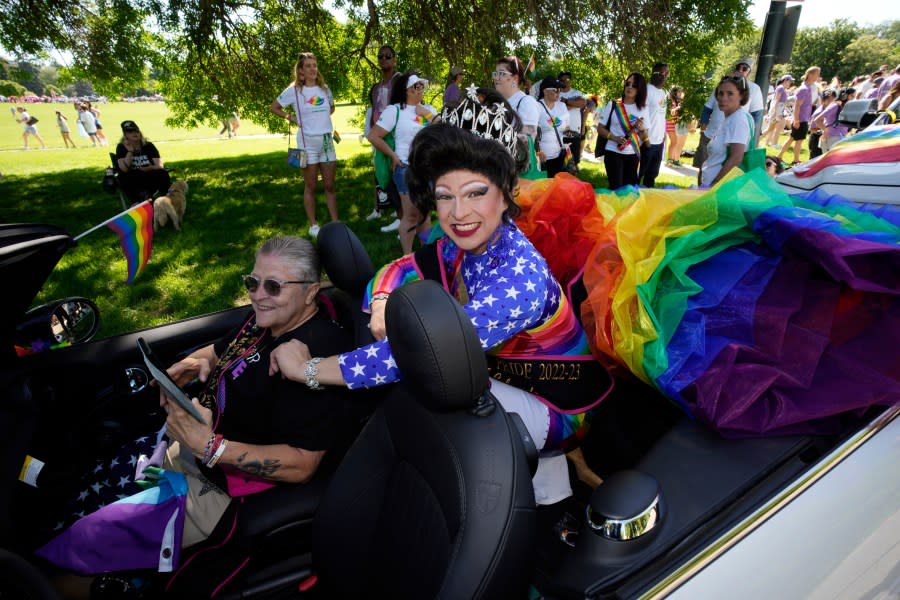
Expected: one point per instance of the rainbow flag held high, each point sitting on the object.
(531, 67)
(135, 230)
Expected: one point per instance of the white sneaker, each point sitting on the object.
(314, 230)
(391, 227)
(373, 215)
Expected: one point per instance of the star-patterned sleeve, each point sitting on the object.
(507, 296)
(509, 290)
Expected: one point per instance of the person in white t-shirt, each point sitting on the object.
(405, 117)
(553, 122)
(657, 102)
(576, 103)
(508, 77)
(729, 142)
(756, 105)
(312, 104)
(627, 132)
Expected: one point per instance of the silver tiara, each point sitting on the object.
(490, 121)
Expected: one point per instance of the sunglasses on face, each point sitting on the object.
(418, 86)
(385, 56)
(742, 68)
(500, 74)
(630, 84)
(271, 286)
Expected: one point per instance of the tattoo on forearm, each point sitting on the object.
(266, 467)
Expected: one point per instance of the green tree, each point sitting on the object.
(866, 53)
(825, 47)
(12, 88)
(215, 56)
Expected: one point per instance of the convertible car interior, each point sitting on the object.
(433, 498)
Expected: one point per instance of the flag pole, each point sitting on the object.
(109, 220)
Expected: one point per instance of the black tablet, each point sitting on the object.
(158, 372)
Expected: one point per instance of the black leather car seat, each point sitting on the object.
(434, 499)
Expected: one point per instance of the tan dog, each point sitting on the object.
(171, 206)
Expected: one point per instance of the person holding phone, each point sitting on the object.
(259, 431)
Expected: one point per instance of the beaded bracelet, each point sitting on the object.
(380, 296)
(312, 372)
(218, 454)
(209, 447)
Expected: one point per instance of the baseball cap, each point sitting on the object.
(744, 61)
(128, 126)
(550, 82)
(414, 79)
(454, 71)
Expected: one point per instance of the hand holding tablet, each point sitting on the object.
(158, 372)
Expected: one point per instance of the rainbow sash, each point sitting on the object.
(630, 131)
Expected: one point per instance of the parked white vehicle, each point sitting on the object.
(864, 167)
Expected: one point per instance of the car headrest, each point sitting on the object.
(344, 258)
(436, 347)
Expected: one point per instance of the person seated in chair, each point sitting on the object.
(260, 430)
(142, 174)
(538, 355)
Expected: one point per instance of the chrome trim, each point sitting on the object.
(701, 560)
(137, 379)
(627, 529)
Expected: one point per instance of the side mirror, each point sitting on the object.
(56, 325)
(859, 114)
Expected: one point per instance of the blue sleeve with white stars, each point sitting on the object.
(507, 289)
(505, 298)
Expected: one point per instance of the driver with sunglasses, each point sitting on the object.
(260, 430)
(263, 430)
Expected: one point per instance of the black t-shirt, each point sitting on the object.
(263, 409)
(143, 158)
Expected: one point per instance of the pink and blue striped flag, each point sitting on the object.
(135, 230)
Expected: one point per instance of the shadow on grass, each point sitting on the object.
(233, 205)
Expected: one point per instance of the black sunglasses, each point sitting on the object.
(271, 286)
(739, 81)
(385, 56)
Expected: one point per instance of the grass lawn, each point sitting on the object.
(241, 192)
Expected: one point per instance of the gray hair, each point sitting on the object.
(297, 253)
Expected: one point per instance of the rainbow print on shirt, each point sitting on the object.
(554, 121)
(421, 120)
(316, 101)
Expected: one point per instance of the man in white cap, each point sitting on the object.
(756, 105)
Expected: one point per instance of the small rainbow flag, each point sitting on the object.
(135, 230)
(530, 68)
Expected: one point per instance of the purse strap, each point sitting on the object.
(297, 105)
(552, 122)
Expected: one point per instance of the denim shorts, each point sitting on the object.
(319, 148)
(400, 179)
